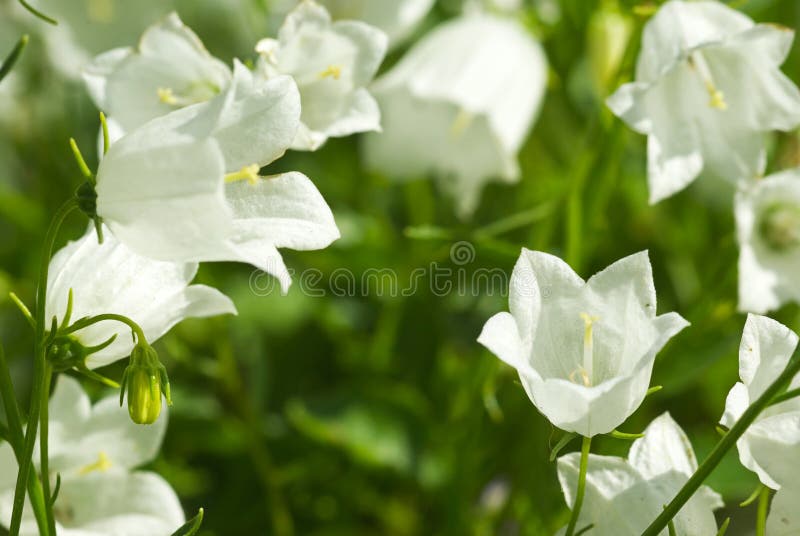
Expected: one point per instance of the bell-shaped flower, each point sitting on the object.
(708, 86)
(186, 186)
(784, 515)
(624, 496)
(768, 229)
(771, 445)
(459, 105)
(110, 278)
(94, 449)
(169, 69)
(332, 63)
(584, 350)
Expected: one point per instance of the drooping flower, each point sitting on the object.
(94, 449)
(768, 228)
(169, 69)
(708, 86)
(584, 350)
(186, 186)
(459, 105)
(110, 278)
(332, 63)
(771, 445)
(624, 496)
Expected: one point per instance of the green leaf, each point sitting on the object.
(192, 526)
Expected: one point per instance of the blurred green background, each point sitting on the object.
(373, 414)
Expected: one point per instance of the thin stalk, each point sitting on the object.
(576, 509)
(88, 321)
(16, 438)
(723, 446)
(38, 395)
(44, 461)
(761, 515)
(788, 395)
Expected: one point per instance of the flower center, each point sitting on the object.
(586, 372)
(196, 92)
(779, 226)
(102, 465)
(247, 173)
(461, 123)
(333, 71)
(699, 64)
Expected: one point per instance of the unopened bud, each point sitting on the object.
(145, 380)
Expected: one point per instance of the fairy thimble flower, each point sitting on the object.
(768, 229)
(708, 86)
(332, 63)
(624, 495)
(771, 445)
(584, 350)
(109, 277)
(458, 107)
(95, 449)
(185, 187)
(169, 69)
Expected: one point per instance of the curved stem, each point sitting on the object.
(88, 321)
(725, 444)
(788, 395)
(38, 394)
(576, 509)
(761, 517)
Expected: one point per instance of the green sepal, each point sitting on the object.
(191, 527)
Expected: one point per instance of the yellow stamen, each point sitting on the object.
(333, 71)
(698, 62)
(102, 465)
(588, 347)
(462, 121)
(584, 377)
(248, 173)
(167, 96)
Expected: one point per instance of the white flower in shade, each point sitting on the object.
(94, 449)
(584, 350)
(459, 105)
(771, 445)
(708, 86)
(624, 496)
(168, 69)
(186, 186)
(784, 515)
(397, 18)
(768, 228)
(110, 278)
(332, 63)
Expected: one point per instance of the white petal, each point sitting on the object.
(784, 516)
(501, 337)
(136, 504)
(395, 17)
(281, 211)
(664, 448)
(256, 120)
(774, 443)
(110, 278)
(765, 350)
(633, 272)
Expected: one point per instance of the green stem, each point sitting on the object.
(576, 509)
(38, 394)
(788, 395)
(761, 516)
(16, 437)
(38, 13)
(44, 461)
(722, 447)
(86, 322)
(13, 56)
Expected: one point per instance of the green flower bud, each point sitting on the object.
(145, 379)
(779, 226)
(609, 33)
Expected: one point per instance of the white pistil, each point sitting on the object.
(698, 62)
(248, 173)
(588, 348)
